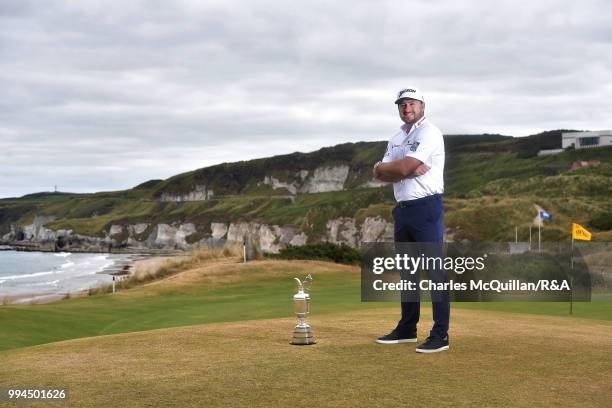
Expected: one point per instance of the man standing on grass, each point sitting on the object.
(414, 162)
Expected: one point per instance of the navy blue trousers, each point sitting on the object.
(422, 220)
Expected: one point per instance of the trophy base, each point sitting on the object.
(302, 336)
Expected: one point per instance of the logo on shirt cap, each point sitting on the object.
(403, 91)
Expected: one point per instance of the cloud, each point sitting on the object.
(105, 95)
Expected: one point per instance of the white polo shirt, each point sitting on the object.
(424, 142)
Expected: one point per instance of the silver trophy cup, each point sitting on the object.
(302, 334)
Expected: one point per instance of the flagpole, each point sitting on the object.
(540, 236)
(582, 234)
(530, 237)
(572, 253)
(572, 276)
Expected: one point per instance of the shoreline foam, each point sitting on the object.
(115, 267)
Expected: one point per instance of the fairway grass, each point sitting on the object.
(495, 360)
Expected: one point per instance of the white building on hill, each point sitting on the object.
(583, 140)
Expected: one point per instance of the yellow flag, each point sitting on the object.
(579, 232)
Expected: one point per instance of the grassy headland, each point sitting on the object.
(492, 182)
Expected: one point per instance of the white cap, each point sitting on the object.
(410, 93)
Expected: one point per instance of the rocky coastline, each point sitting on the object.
(179, 237)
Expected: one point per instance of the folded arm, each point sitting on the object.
(397, 170)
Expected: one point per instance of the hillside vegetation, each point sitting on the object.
(492, 182)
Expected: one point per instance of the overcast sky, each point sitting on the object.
(104, 95)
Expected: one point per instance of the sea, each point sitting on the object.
(55, 273)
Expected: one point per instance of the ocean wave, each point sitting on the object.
(53, 272)
(103, 267)
(46, 283)
(29, 275)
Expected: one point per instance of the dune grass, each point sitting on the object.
(172, 265)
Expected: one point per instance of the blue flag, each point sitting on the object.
(545, 216)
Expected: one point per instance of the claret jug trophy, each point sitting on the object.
(302, 334)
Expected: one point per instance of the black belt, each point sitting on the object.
(418, 201)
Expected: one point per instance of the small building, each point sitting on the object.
(583, 140)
